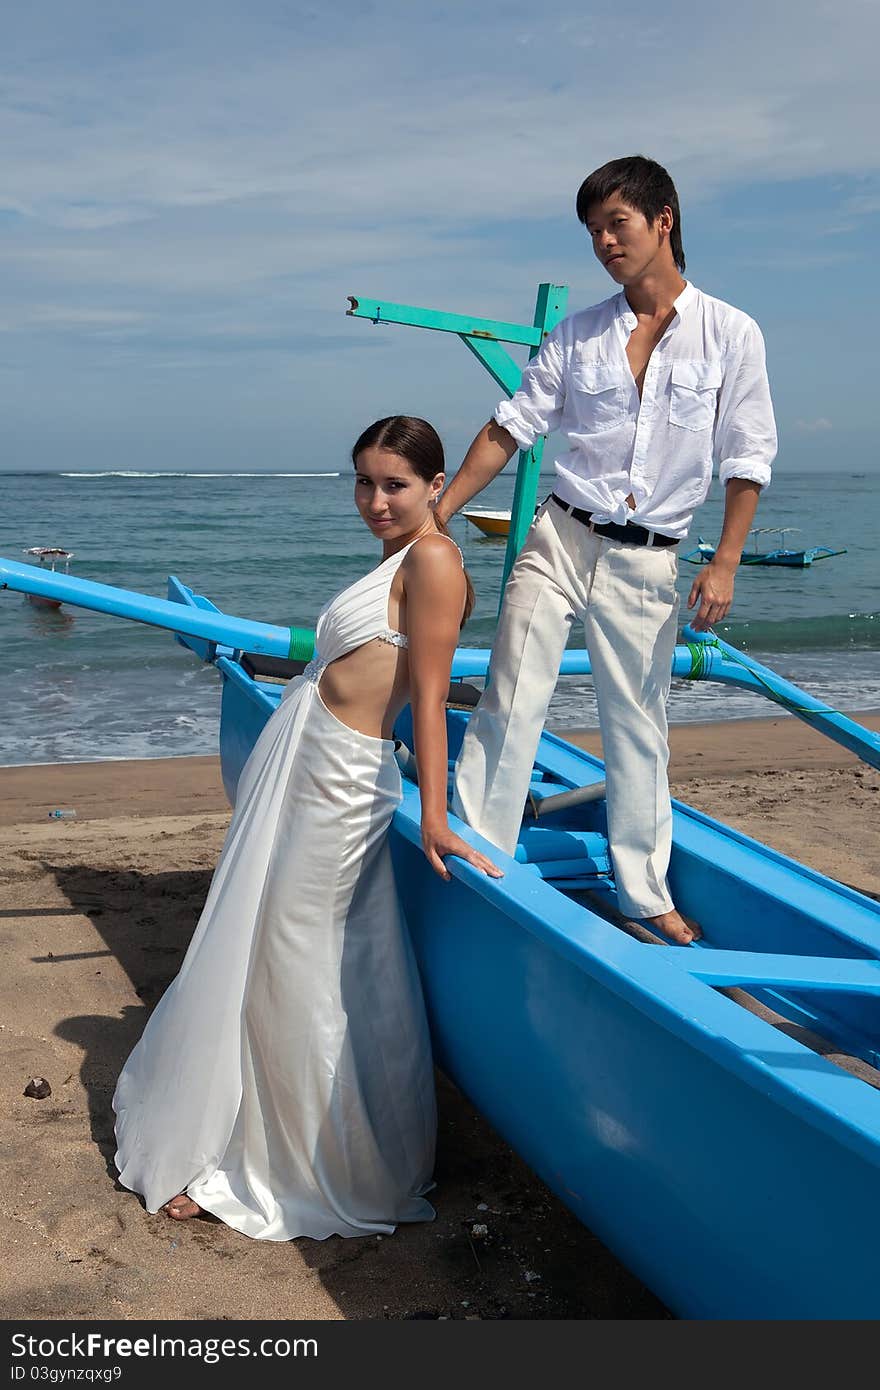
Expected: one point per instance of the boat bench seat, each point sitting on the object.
(724, 968)
(563, 854)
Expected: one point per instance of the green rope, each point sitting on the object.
(699, 660)
(700, 663)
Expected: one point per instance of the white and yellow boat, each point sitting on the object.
(491, 523)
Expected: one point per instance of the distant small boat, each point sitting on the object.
(490, 523)
(48, 556)
(780, 555)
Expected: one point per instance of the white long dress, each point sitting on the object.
(284, 1081)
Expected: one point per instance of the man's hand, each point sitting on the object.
(487, 455)
(713, 586)
(713, 589)
(439, 841)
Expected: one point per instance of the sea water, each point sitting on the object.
(79, 686)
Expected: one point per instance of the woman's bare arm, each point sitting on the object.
(434, 585)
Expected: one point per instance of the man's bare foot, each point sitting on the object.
(673, 925)
(182, 1208)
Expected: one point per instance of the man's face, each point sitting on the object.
(623, 240)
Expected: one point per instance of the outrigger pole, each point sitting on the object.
(212, 634)
(484, 338)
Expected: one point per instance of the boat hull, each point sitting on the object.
(785, 559)
(720, 1199)
(732, 1169)
(490, 523)
(39, 602)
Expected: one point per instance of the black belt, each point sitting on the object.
(630, 534)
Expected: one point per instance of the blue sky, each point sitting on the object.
(190, 191)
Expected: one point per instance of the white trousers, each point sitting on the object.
(625, 597)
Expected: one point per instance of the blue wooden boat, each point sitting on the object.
(711, 1112)
(780, 555)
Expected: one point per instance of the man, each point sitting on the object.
(646, 389)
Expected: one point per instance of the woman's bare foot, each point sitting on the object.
(182, 1208)
(673, 925)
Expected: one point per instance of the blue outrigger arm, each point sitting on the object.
(728, 664)
(704, 657)
(214, 627)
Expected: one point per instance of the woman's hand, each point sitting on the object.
(439, 841)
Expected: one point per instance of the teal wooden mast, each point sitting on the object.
(484, 338)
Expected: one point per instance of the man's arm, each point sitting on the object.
(714, 583)
(533, 410)
(745, 445)
(490, 451)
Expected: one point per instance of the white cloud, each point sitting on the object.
(819, 426)
(493, 122)
(179, 179)
(67, 316)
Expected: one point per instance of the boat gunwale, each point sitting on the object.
(644, 978)
(500, 514)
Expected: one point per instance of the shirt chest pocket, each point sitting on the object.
(600, 396)
(693, 394)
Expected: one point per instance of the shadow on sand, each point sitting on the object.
(502, 1246)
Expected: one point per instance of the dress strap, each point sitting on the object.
(445, 536)
(390, 634)
(455, 543)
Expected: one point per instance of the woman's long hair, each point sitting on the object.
(419, 443)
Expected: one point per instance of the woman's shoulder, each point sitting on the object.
(436, 552)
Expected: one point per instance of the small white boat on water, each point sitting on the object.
(491, 523)
(48, 557)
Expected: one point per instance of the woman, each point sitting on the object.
(284, 1082)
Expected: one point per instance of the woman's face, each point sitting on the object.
(390, 496)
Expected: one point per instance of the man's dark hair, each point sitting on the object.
(641, 182)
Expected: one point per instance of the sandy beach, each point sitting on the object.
(96, 913)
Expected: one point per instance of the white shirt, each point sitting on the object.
(705, 398)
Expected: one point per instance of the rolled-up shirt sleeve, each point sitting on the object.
(745, 430)
(536, 408)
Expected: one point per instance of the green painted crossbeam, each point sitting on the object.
(381, 311)
(484, 338)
